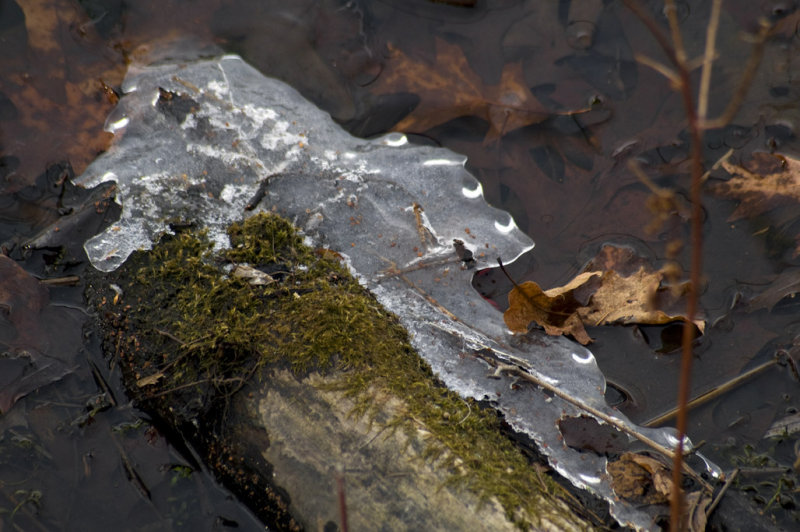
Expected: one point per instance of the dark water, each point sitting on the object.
(75, 455)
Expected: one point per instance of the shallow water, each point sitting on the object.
(563, 178)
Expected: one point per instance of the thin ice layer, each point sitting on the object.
(197, 139)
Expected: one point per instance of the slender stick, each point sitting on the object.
(677, 499)
(677, 55)
(713, 393)
(636, 8)
(614, 422)
(342, 496)
(748, 75)
(696, 117)
(708, 56)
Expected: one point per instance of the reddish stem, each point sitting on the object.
(342, 499)
(695, 132)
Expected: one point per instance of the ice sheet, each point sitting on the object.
(196, 139)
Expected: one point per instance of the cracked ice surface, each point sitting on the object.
(195, 140)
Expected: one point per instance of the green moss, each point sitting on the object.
(211, 332)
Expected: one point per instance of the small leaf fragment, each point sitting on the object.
(253, 276)
(150, 379)
(640, 479)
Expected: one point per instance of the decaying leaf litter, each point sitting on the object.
(659, 159)
(625, 143)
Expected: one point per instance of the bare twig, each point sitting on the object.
(170, 336)
(708, 56)
(637, 9)
(747, 78)
(717, 164)
(524, 375)
(677, 55)
(69, 280)
(713, 393)
(661, 68)
(342, 496)
(216, 382)
(429, 298)
(393, 271)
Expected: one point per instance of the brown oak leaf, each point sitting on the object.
(556, 310)
(592, 298)
(629, 299)
(448, 88)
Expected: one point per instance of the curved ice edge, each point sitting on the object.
(384, 204)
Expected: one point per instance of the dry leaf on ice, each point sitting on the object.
(556, 310)
(591, 298)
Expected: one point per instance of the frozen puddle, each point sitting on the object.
(196, 140)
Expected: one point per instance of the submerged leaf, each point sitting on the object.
(786, 426)
(448, 88)
(646, 480)
(25, 365)
(766, 182)
(695, 518)
(57, 83)
(787, 284)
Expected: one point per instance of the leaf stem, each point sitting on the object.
(505, 272)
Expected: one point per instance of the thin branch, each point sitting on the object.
(675, 30)
(708, 57)
(677, 54)
(661, 68)
(69, 280)
(717, 164)
(713, 393)
(614, 422)
(748, 75)
(342, 497)
(636, 8)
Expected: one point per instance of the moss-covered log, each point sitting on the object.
(300, 389)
